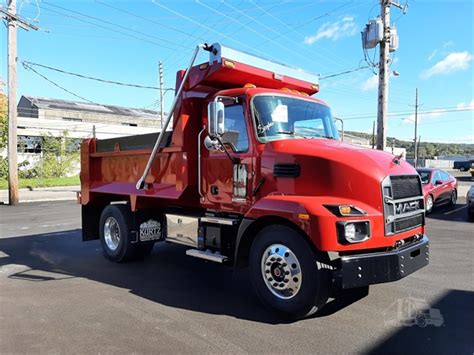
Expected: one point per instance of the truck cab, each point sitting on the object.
(254, 174)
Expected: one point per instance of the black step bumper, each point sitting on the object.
(373, 268)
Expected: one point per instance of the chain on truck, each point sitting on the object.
(253, 173)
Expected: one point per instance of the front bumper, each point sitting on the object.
(373, 268)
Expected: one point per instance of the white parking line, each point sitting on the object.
(457, 209)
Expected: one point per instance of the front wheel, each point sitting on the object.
(286, 274)
(429, 204)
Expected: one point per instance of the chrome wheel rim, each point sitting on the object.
(112, 233)
(281, 271)
(429, 203)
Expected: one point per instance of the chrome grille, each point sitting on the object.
(408, 223)
(405, 186)
(403, 203)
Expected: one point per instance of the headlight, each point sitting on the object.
(353, 231)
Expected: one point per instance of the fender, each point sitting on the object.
(285, 208)
(309, 215)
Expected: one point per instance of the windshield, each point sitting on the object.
(425, 176)
(282, 117)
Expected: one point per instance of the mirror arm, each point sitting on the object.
(233, 160)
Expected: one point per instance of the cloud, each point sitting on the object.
(453, 62)
(469, 105)
(344, 27)
(371, 83)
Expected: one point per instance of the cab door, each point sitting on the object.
(229, 183)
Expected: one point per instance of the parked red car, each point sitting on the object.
(439, 188)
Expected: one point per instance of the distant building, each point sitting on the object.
(38, 116)
(351, 139)
(366, 143)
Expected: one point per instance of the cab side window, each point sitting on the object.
(235, 132)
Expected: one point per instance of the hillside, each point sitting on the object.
(426, 149)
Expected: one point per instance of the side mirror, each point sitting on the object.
(438, 182)
(215, 114)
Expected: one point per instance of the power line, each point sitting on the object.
(206, 27)
(342, 73)
(56, 84)
(279, 34)
(397, 114)
(287, 48)
(149, 20)
(295, 28)
(30, 64)
(116, 25)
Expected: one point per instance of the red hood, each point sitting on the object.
(380, 163)
(332, 168)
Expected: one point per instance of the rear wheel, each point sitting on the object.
(286, 274)
(118, 243)
(454, 198)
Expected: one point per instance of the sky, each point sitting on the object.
(124, 41)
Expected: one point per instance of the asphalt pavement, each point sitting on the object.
(59, 295)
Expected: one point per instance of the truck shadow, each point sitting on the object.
(447, 327)
(457, 213)
(167, 276)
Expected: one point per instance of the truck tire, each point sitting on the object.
(286, 274)
(118, 243)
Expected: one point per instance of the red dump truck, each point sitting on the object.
(253, 173)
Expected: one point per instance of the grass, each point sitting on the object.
(47, 182)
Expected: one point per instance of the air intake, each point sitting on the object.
(286, 170)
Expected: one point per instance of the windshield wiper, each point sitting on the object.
(292, 133)
(286, 132)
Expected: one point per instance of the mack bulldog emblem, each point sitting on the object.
(404, 207)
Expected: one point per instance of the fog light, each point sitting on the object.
(353, 232)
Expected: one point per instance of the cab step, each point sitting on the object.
(207, 255)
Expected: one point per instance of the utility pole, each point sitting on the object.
(383, 76)
(373, 135)
(161, 94)
(12, 22)
(12, 119)
(415, 147)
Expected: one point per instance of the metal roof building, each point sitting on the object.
(39, 115)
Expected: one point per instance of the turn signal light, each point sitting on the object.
(229, 64)
(250, 86)
(345, 210)
(303, 216)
